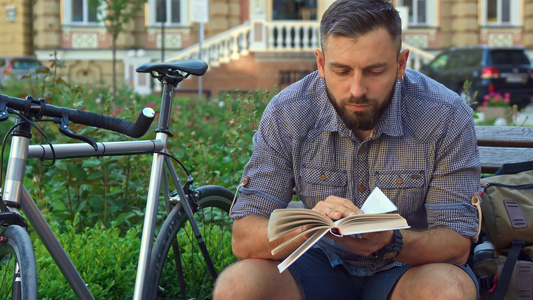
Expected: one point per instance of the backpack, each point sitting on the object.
(507, 223)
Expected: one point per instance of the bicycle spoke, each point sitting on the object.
(6, 262)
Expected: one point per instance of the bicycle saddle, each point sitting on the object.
(193, 67)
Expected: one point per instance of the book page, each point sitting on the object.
(283, 221)
(357, 224)
(301, 250)
(309, 230)
(378, 203)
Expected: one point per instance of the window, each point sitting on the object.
(501, 12)
(439, 63)
(81, 12)
(509, 57)
(421, 12)
(171, 12)
(498, 11)
(294, 9)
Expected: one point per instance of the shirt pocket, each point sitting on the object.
(405, 188)
(318, 184)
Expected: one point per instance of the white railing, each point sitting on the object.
(281, 36)
(292, 36)
(417, 57)
(220, 48)
(271, 36)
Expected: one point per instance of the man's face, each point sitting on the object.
(360, 76)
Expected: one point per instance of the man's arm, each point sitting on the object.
(250, 239)
(419, 247)
(434, 245)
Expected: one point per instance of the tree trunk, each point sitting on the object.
(114, 66)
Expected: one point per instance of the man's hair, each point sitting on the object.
(354, 18)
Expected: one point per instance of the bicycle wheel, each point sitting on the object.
(17, 265)
(177, 246)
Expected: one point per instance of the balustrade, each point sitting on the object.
(279, 36)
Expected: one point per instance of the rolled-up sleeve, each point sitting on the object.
(269, 171)
(455, 178)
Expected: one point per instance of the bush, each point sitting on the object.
(105, 258)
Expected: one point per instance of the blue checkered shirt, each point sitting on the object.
(422, 155)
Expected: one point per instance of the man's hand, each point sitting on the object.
(337, 208)
(367, 244)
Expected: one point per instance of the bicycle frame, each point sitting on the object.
(15, 191)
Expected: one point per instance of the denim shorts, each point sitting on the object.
(319, 280)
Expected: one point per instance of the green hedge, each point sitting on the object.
(105, 258)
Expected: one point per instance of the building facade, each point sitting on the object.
(249, 44)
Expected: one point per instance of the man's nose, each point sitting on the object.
(357, 86)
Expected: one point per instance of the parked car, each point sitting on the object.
(499, 70)
(16, 67)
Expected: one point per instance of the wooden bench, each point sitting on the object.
(503, 144)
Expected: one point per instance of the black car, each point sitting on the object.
(499, 70)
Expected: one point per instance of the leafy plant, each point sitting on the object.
(469, 98)
(105, 258)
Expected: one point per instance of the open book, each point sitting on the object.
(284, 221)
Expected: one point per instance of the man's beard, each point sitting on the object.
(361, 120)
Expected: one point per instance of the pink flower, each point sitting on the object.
(151, 104)
(117, 112)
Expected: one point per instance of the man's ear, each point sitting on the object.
(320, 62)
(402, 62)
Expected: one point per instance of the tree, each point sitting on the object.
(116, 14)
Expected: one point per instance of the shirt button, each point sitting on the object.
(323, 177)
(362, 189)
(362, 150)
(399, 181)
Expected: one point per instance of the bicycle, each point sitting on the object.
(179, 265)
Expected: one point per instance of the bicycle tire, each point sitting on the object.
(16, 250)
(215, 226)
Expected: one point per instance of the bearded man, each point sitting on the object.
(361, 121)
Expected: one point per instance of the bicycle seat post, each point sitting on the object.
(166, 108)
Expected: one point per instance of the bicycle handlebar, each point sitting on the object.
(39, 108)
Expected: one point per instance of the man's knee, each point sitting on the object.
(255, 279)
(437, 281)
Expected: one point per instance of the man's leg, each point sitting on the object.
(256, 279)
(435, 281)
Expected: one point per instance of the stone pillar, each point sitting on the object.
(258, 16)
(528, 24)
(126, 38)
(47, 24)
(465, 25)
(16, 23)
